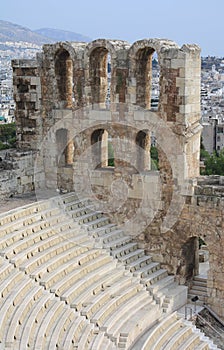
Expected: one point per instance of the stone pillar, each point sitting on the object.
(69, 83)
(180, 100)
(27, 95)
(69, 151)
(104, 149)
(121, 84)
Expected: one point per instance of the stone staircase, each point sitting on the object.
(199, 289)
(173, 332)
(70, 279)
(165, 291)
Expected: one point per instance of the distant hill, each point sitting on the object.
(62, 35)
(14, 32)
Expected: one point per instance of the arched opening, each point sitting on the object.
(196, 256)
(154, 153)
(100, 76)
(190, 254)
(102, 150)
(155, 87)
(110, 152)
(143, 140)
(65, 148)
(147, 78)
(64, 76)
(203, 257)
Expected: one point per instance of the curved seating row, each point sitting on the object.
(72, 280)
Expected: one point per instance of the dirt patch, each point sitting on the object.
(16, 202)
(216, 333)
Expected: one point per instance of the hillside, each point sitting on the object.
(16, 33)
(62, 35)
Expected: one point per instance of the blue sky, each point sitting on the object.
(184, 21)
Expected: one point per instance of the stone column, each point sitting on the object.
(69, 150)
(104, 149)
(69, 83)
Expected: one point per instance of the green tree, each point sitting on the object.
(214, 163)
(7, 136)
(203, 153)
(110, 154)
(154, 158)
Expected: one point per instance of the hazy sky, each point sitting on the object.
(184, 21)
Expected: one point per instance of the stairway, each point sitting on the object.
(165, 291)
(173, 332)
(70, 279)
(199, 289)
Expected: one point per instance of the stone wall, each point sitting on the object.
(27, 95)
(17, 173)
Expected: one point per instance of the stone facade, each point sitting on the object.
(63, 116)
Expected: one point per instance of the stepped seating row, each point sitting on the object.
(24, 215)
(59, 291)
(199, 288)
(174, 333)
(126, 251)
(87, 276)
(29, 243)
(155, 279)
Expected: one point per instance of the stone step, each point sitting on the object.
(199, 286)
(73, 333)
(124, 250)
(200, 280)
(154, 277)
(89, 217)
(80, 211)
(112, 236)
(198, 290)
(140, 262)
(147, 270)
(132, 256)
(78, 204)
(121, 241)
(155, 332)
(163, 283)
(101, 231)
(201, 298)
(92, 225)
(72, 199)
(175, 297)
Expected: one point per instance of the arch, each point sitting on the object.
(102, 150)
(96, 141)
(143, 75)
(195, 253)
(99, 55)
(65, 148)
(143, 140)
(141, 71)
(64, 77)
(75, 51)
(98, 72)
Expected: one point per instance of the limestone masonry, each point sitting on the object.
(71, 108)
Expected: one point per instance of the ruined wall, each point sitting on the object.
(27, 95)
(17, 173)
(64, 113)
(201, 216)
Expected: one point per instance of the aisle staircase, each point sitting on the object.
(70, 279)
(166, 292)
(199, 289)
